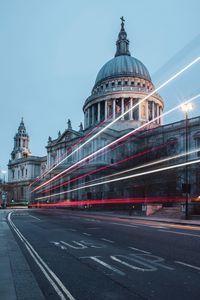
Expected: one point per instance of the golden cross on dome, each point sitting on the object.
(122, 19)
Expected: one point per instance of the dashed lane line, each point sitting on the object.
(187, 265)
(178, 232)
(136, 249)
(126, 225)
(88, 234)
(34, 217)
(106, 240)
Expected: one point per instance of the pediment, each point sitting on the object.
(68, 135)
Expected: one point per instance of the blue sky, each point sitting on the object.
(51, 52)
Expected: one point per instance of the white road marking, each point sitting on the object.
(106, 240)
(34, 217)
(158, 227)
(93, 228)
(92, 220)
(187, 265)
(136, 249)
(56, 283)
(182, 233)
(78, 245)
(59, 245)
(106, 265)
(88, 234)
(152, 259)
(127, 225)
(149, 268)
(70, 229)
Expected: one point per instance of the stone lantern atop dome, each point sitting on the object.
(120, 84)
(122, 42)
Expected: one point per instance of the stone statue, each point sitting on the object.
(69, 124)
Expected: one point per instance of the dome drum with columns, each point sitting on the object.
(120, 84)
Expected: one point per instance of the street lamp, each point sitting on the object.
(186, 188)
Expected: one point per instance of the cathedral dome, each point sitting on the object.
(122, 65)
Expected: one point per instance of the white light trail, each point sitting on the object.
(114, 142)
(147, 165)
(124, 178)
(130, 109)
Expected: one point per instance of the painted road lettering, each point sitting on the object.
(78, 245)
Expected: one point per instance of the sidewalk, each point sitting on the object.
(16, 279)
(125, 215)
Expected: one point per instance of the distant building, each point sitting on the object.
(23, 168)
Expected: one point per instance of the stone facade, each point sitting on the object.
(121, 83)
(23, 168)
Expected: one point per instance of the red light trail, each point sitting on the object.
(114, 142)
(178, 199)
(125, 178)
(132, 108)
(108, 166)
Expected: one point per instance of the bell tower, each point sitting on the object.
(21, 143)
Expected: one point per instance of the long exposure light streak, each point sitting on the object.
(68, 150)
(95, 157)
(130, 109)
(147, 165)
(176, 199)
(123, 178)
(91, 159)
(116, 141)
(85, 161)
(107, 166)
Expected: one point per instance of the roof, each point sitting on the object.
(123, 65)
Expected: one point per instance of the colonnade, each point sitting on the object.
(110, 109)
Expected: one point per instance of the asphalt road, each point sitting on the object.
(77, 255)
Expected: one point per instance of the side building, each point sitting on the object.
(23, 167)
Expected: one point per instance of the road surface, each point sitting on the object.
(82, 255)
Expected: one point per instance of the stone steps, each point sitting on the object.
(169, 212)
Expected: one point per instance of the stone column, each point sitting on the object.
(88, 117)
(93, 114)
(147, 110)
(85, 124)
(113, 109)
(139, 110)
(122, 108)
(158, 121)
(131, 112)
(106, 110)
(153, 110)
(98, 112)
